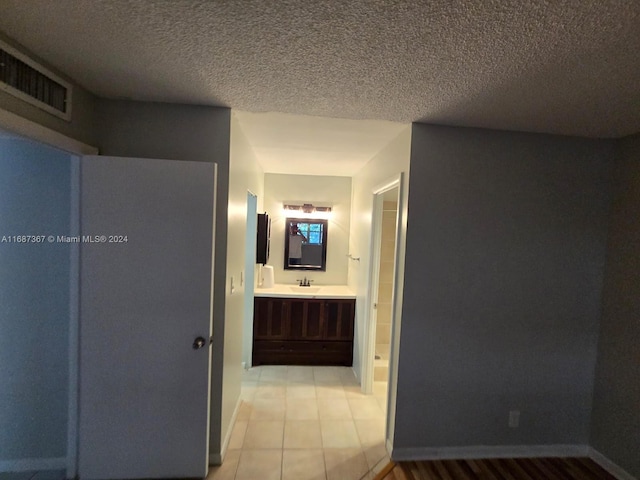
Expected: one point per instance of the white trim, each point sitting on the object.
(249, 289)
(21, 126)
(396, 305)
(31, 464)
(611, 467)
(397, 181)
(374, 270)
(66, 115)
(371, 313)
(218, 458)
(208, 459)
(488, 451)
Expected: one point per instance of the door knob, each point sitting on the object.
(199, 343)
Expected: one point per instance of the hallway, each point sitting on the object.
(308, 423)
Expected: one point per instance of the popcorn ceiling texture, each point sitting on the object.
(559, 66)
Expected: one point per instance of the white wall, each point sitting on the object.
(244, 174)
(318, 190)
(392, 160)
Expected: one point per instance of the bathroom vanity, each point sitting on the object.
(303, 326)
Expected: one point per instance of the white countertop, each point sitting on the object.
(314, 291)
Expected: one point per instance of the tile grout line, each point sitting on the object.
(328, 381)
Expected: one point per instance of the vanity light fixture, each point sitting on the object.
(306, 210)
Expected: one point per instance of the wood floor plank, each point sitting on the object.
(475, 468)
(576, 470)
(586, 466)
(399, 472)
(425, 473)
(434, 471)
(415, 471)
(487, 472)
(601, 471)
(557, 468)
(499, 469)
(391, 475)
(442, 471)
(537, 469)
(459, 470)
(517, 469)
(382, 474)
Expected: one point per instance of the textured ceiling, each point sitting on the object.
(559, 66)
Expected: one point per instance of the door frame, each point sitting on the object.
(26, 128)
(31, 130)
(249, 279)
(397, 181)
(374, 272)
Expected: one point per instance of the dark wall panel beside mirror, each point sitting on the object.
(262, 241)
(305, 246)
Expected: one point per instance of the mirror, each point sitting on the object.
(305, 246)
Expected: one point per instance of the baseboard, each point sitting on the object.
(389, 447)
(33, 464)
(217, 458)
(614, 469)
(485, 451)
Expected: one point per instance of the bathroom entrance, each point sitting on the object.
(380, 370)
(385, 281)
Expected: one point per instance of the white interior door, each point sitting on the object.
(145, 297)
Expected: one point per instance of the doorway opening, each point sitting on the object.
(38, 194)
(385, 280)
(382, 334)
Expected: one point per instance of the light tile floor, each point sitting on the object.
(305, 423)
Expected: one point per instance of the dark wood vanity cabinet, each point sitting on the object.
(303, 331)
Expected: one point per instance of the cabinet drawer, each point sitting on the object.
(302, 353)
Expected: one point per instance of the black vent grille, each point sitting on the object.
(21, 76)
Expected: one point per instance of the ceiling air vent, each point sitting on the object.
(23, 78)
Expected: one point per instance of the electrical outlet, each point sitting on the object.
(514, 418)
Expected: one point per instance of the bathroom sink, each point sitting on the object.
(305, 289)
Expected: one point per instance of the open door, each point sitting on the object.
(146, 259)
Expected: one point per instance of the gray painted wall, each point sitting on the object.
(615, 428)
(505, 252)
(180, 132)
(35, 193)
(82, 124)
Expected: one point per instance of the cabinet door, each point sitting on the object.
(338, 319)
(306, 319)
(271, 319)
